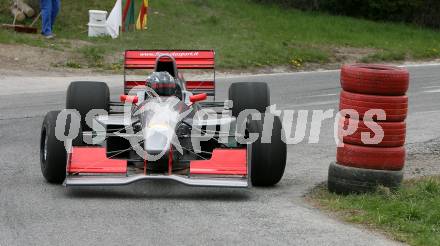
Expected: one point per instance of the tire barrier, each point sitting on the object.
(395, 107)
(375, 79)
(377, 158)
(362, 164)
(394, 133)
(346, 180)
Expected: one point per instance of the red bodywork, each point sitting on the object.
(222, 162)
(185, 59)
(198, 97)
(200, 85)
(129, 99)
(146, 59)
(93, 160)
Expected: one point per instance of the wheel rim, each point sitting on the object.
(44, 147)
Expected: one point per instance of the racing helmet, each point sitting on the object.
(164, 84)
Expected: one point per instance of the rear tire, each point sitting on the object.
(268, 160)
(249, 95)
(85, 96)
(53, 156)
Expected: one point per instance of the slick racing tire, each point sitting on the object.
(347, 180)
(249, 95)
(85, 96)
(53, 157)
(394, 133)
(376, 158)
(395, 107)
(375, 79)
(268, 160)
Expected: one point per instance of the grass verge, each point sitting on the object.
(411, 214)
(244, 34)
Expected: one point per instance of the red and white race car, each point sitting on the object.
(164, 127)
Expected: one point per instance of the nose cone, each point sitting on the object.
(158, 140)
(159, 120)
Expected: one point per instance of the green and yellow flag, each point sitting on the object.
(142, 20)
(128, 16)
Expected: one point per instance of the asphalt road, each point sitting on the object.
(33, 212)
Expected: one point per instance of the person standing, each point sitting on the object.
(49, 12)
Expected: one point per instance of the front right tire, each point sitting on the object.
(268, 160)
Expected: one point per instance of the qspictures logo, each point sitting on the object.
(157, 121)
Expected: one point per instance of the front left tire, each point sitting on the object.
(53, 155)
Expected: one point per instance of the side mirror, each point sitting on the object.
(198, 97)
(129, 99)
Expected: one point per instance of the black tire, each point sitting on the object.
(347, 180)
(268, 160)
(85, 96)
(249, 95)
(53, 156)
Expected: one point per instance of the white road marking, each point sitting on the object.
(432, 91)
(323, 95)
(36, 84)
(421, 65)
(232, 76)
(428, 112)
(314, 103)
(226, 76)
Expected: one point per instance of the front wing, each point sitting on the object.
(89, 166)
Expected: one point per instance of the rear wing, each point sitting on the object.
(185, 59)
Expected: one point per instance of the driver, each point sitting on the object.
(164, 84)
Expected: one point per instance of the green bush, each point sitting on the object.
(420, 12)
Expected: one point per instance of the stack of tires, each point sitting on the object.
(362, 166)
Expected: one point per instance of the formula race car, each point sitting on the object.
(164, 127)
